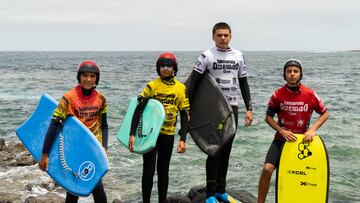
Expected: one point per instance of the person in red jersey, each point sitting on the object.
(294, 104)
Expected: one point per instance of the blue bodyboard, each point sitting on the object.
(153, 118)
(79, 163)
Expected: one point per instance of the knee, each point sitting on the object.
(268, 169)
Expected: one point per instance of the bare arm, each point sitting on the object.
(287, 135)
(309, 135)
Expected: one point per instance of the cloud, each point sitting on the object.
(176, 24)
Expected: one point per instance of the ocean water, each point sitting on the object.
(24, 76)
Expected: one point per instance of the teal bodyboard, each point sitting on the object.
(153, 118)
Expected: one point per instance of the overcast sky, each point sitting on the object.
(178, 25)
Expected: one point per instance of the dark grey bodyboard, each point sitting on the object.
(208, 111)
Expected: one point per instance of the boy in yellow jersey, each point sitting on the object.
(172, 94)
(90, 107)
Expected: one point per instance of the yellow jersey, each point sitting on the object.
(172, 94)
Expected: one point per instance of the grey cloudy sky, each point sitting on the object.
(177, 25)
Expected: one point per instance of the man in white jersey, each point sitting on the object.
(227, 66)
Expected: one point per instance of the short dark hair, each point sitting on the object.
(221, 25)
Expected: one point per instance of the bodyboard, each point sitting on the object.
(212, 122)
(153, 117)
(77, 161)
(303, 172)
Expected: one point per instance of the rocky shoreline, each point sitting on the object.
(16, 155)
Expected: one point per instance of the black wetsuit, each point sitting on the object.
(159, 157)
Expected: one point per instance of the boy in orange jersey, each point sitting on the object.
(90, 107)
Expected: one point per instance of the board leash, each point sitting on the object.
(62, 156)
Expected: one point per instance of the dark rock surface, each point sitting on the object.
(14, 154)
(198, 194)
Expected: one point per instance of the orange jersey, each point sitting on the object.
(88, 109)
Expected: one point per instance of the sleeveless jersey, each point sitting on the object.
(173, 97)
(294, 108)
(226, 66)
(88, 109)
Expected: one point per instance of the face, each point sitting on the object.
(222, 38)
(166, 71)
(87, 80)
(292, 75)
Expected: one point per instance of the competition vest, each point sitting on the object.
(294, 108)
(87, 109)
(226, 66)
(172, 96)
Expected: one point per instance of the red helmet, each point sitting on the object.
(89, 66)
(166, 59)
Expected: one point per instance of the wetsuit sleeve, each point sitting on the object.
(137, 113)
(184, 125)
(245, 92)
(271, 111)
(56, 122)
(273, 105)
(195, 79)
(105, 130)
(55, 125)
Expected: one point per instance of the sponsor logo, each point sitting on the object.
(197, 63)
(304, 183)
(304, 150)
(310, 168)
(300, 122)
(234, 81)
(222, 65)
(294, 106)
(294, 172)
(165, 98)
(86, 171)
(219, 80)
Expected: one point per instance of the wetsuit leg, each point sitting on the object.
(216, 167)
(70, 198)
(149, 161)
(212, 168)
(99, 193)
(165, 146)
(274, 152)
(224, 162)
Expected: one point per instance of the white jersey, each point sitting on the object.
(226, 66)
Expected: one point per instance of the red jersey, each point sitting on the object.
(294, 108)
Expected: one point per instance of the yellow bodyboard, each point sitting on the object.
(303, 172)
